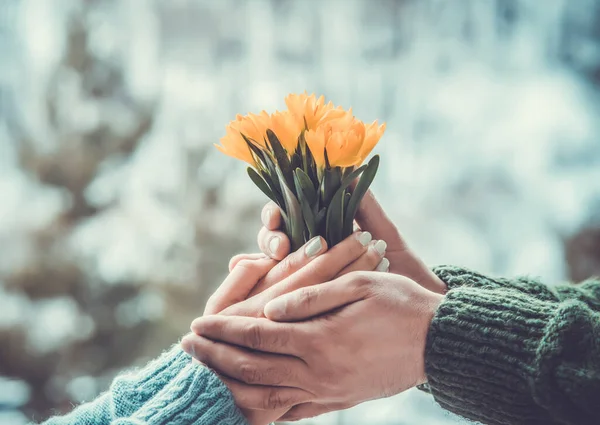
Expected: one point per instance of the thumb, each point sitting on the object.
(371, 217)
(311, 301)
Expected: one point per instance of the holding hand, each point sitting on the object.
(312, 365)
(253, 283)
(370, 217)
(257, 274)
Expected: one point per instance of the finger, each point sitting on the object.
(250, 367)
(257, 397)
(254, 333)
(312, 301)
(370, 216)
(371, 260)
(306, 410)
(239, 257)
(292, 263)
(273, 243)
(238, 284)
(323, 268)
(271, 216)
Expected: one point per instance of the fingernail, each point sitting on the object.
(266, 215)
(380, 247)
(364, 238)
(383, 266)
(274, 244)
(314, 246)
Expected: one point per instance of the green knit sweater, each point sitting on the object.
(516, 352)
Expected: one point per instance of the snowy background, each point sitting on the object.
(118, 217)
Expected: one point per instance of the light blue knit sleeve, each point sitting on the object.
(169, 390)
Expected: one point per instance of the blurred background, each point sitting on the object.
(118, 217)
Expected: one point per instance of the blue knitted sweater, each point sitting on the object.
(170, 390)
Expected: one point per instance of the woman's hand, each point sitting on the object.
(370, 217)
(255, 279)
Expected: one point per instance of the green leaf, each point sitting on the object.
(309, 165)
(271, 170)
(327, 164)
(335, 219)
(335, 222)
(347, 196)
(349, 176)
(296, 161)
(256, 151)
(262, 185)
(320, 219)
(275, 188)
(332, 179)
(282, 159)
(359, 191)
(295, 223)
(307, 186)
(306, 206)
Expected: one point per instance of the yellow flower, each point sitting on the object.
(344, 145)
(310, 111)
(253, 127)
(347, 141)
(316, 141)
(287, 129)
(373, 133)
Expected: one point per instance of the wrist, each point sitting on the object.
(432, 301)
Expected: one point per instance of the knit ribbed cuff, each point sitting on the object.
(132, 389)
(195, 396)
(481, 350)
(173, 389)
(455, 277)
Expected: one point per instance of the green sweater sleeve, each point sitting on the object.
(515, 351)
(169, 390)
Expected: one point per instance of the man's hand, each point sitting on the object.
(258, 274)
(369, 217)
(356, 338)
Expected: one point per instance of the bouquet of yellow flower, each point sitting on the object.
(305, 159)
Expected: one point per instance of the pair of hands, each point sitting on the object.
(316, 350)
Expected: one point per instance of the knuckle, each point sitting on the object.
(361, 283)
(249, 373)
(286, 266)
(253, 336)
(308, 296)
